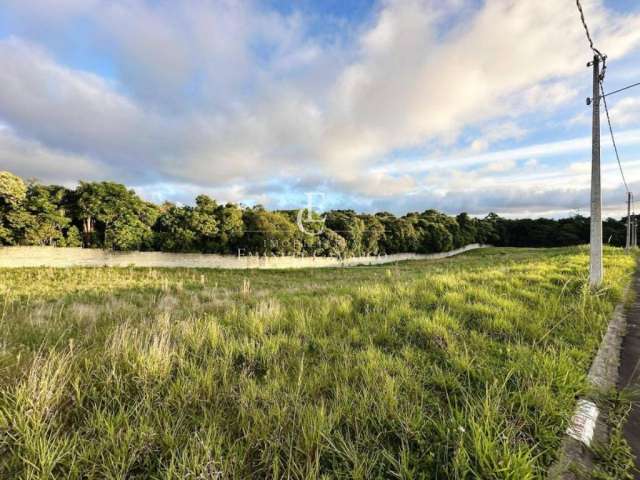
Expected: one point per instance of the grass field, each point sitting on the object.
(461, 368)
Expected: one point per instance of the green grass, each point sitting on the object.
(462, 368)
(613, 459)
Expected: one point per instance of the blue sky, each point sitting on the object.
(397, 105)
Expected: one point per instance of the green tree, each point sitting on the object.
(173, 231)
(434, 238)
(107, 214)
(270, 233)
(488, 230)
(400, 233)
(204, 223)
(12, 189)
(129, 232)
(348, 225)
(14, 219)
(89, 197)
(72, 238)
(107, 209)
(230, 228)
(372, 236)
(310, 225)
(330, 244)
(467, 229)
(45, 204)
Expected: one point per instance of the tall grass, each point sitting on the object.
(463, 368)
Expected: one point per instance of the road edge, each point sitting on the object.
(588, 422)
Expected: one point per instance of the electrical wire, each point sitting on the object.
(597, 52)
(613, 140)
(621, 89)
(603, 58)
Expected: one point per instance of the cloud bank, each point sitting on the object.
(413, 105)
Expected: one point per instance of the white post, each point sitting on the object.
(595, 264)
(628, 243)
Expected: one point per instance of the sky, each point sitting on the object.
(374, 105)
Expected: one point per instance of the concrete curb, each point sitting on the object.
(588, 423)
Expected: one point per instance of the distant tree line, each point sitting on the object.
(108, 215)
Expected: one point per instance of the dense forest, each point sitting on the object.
(108, 215)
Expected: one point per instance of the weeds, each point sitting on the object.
(614, 460)
(462, 368)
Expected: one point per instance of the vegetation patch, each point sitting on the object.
(461, 368)
(108, 215)
(613, 459)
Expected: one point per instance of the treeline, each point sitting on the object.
(108, 215)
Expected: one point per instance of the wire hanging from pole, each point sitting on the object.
(621, 89)
(598, 53)
(603, 59)
(613, 140)
(586, 30)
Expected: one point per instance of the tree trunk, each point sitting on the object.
(87, 230)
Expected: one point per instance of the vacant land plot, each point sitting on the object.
(462, 368)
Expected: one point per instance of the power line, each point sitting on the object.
(613, 140)
(586, 30)
(621, 89)
(599, 54)
(603, 58)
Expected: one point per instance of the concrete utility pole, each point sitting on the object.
(628, 243)
(634, 232)
(595, 264)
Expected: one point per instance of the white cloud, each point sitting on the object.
(410, 84)
(626, 111)
(80, 113)
(501, 166)
(303, 106)
(541, 150)
(548, 96)
(580, 167)
(494, 133)
(31, 159)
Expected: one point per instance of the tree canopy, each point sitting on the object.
(108, 215)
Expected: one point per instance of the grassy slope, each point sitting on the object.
(462, 368)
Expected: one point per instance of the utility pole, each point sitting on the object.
(628, 243)
(634, 232)
(595, 261)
